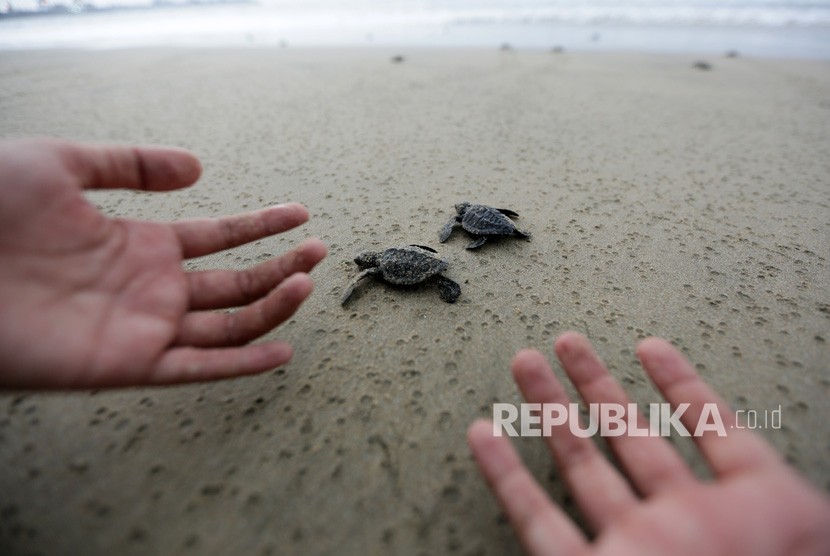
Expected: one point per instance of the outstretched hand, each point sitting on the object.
(755, 505)
(91, 301)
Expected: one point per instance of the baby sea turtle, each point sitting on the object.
(405, 266)
(483, 221)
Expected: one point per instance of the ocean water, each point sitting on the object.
(779, 28)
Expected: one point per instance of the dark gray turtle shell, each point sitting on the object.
(409, 265)
(487, 221)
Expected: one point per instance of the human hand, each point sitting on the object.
(756, 505)
(91, 301)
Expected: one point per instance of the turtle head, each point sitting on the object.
(461, 208)
(367, 259)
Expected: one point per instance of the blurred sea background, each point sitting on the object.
(775, 28)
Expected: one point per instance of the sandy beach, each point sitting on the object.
(663, 200)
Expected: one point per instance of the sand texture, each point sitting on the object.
(663, 200)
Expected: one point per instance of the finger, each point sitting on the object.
(209, 329)
(208, 235)
(187, 364)
(649, 461)
(215, 289)
(599, 490)
(539, 523)
(117, 166)
(739, 450)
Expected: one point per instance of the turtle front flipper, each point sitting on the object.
(521, 233)
(508, 212)
(424, 247)
(448, 289)
(447, 229)
(477, 243)
(349, 290)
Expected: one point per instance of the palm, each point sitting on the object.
(756, 505)
(108, 299)
(119, 304)
(691, 519)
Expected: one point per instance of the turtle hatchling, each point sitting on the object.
(405, 266)
(482, 221)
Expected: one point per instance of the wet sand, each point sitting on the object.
(663, 200)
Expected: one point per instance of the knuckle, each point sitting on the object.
(249, 285)
(232, 330)
(232, 230)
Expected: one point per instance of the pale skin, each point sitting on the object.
(88, 301)
(91, 301)
(755, 505)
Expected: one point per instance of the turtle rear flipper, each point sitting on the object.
(477, 243)
(448, 289)
(521, 233)
(350, 289)
(447, 229)
(508, 212)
